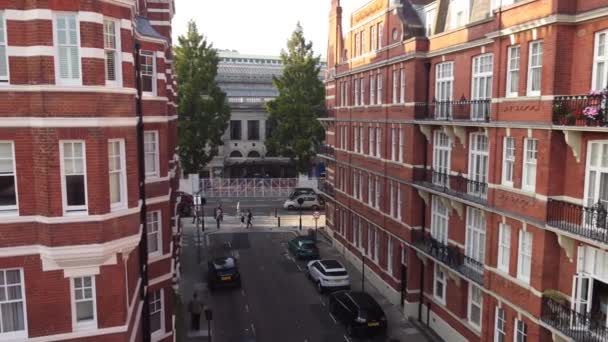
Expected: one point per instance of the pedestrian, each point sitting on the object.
(242, 219)
(249, 218)
(195, 307)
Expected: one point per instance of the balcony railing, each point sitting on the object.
(449, 255)
(327, 150)
(327, 188)
(580, 110)
(454, 110)
(456, 185)
(590, 222)
(580, 327)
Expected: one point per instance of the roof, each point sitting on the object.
(331, 264)
(143, 27)
(363, 300)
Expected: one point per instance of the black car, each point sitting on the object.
(303, 247)
(359, 312)
(223, 272)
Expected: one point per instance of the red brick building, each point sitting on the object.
(78, 260)
(468, 162)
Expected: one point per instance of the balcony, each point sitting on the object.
(326, 151)
(449, 255)
(460, 110)
(327, 188)
(455, 185)
(589, 222)
(580, 110)
(580, 327)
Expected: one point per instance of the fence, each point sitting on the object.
(254, 187)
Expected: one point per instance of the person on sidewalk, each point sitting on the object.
(242, 219)
(219, 214)
(195, 307)
(249, 218)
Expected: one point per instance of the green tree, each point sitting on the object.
(203, 111)
(296, 132)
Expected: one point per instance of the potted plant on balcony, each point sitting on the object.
(594, 111)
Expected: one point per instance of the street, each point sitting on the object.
(258, 206)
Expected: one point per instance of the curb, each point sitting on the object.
(425, 330)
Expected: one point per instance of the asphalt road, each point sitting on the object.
(276, 303)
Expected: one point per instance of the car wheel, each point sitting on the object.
(320, 287)
(315, 207)
(290, 207)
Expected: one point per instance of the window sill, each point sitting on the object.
(76, 213)
(85, 326)
(13, 336)
(9, 212)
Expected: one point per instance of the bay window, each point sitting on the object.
(112, 50)
(67, 38)
(74, 182)
(8, 178)
(148, 71)
(117, 173)
(12, 304)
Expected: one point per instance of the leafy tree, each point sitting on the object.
(296, 132)
(203, 111)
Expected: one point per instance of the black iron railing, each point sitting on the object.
(326, 150)
(580, 327)
(454, 110)
(580, 110)
(327, 188)
(590, 222)
(449, 255)
(456, 185)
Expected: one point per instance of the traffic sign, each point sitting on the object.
(316, 215)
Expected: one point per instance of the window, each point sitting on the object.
(380, 34)
(372, 90)
(156, 311)
(356, 135)
(444, 82)
(458, 13)
(12, 303)
(402, 88)
(530, 161)
(378, 142)
(362, 92)
(148, 71)
(439, 285)
(395, 86)
(370, 240)
(8, 179)
(508, 161)
(441, 158)
(475, 243)
(356, 90)
(118, 175)
(362, 38)
(372, 37)
(596, 180)
(3, 54)
(84, 304)
(500, 335)
(151, 153)
(400, 157)
(600, 61)
(356, 231)
(393, 199)
(482, 86)
(235, 130)
(521, 331)
(376, 245)
(524, 256)
(347, 94)
(153, 225)
(379, 88)
(253, 129)
(378, 192)
(439, 220)
(113, 51)
(535, 68)
(429, 21)
(394, 143)
(372, 141)
(74, 176)
(478, 164)
(355, 185)
(360, 183)
(361, 138)
(504, 247)
(67, 62)
(356, 44)
(399, 204)
(513, 71)
(390, 255)
(475, 305)
(371, 198)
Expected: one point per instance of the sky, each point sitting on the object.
(259, 27)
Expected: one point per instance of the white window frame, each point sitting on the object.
(471, 303)
(70, 81)
(444, 88)
(11, 209)
(593, 176)
(442, 151)
(440, 220)
(376, 245)
(519, 335)
(161, 311)
(372, 90)
(151, 54)
(394, 143)
(4, 49)
(475, 240)
(356, 134)
(380, 31)
(356, 90)
(360, 175)
(378, 193)
(372, 38)
(399, 203)
(122, 176)
(393, 199)
(80, 209)
(362, 88)
(379, 88)
(456, 7)
(155, 217)
(402, 86)
(481, 84)
(361, 138)
(479, 163)
(524, 256)
(379, 142)
(530, 165)
(531, 68)
(401, 138)
(372, 141)
(500, 325)
(508, 160)
(600, 77)
(370, 240)
(443, 280)
(513, 65)
(362, 44)
(390, 255)
(395, 86)
(86, 325)
(18, 334)
(117, 52)
(156, 172)
(504, 248)
(371, 191)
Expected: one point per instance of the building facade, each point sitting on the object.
(83, 255)
(466, 152)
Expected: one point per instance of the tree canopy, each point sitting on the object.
(295, 130)
(203, 111)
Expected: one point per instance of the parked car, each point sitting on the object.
(302, 191)
(310, 202)
(328, 275)
(223, 272)
(303, 247)
(359, 312)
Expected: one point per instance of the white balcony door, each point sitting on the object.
(475, 235)
(482, 85)
(444, 85)
(478, 164)
(596, 182)
(441, 158)
(439, 220)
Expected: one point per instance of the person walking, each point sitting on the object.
(242, 219)
(249, 218)
(195, 307)
(219, 215)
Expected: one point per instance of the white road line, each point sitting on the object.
(299, 268)
(243, 292)
(253, 329)
(333, 318)
(321, 299)
(346, 338)
(246, 308)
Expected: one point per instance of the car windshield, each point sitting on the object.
(308, 245)
(336, 273)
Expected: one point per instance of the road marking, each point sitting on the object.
(321, 299)
(298, 266)
(333, 318)
(253, 329)
(346, 338)
(243, 292)
(235, 254)
(246, 308)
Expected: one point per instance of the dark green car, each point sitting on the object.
(303, 247)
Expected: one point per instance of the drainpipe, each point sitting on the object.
(143, 243)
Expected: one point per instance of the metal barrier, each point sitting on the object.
(251, 187)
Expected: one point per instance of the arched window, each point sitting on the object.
(236, 154)
(253, 154)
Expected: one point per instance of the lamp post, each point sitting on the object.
(362, 272)
(300, 202)
(199, 203)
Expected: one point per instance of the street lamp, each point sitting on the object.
(300, 202)
(199, 207)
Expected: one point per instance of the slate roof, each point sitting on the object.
(143, 27)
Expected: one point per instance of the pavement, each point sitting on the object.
(276, 303)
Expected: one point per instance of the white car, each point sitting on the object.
(328, 274)
(310, 202)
